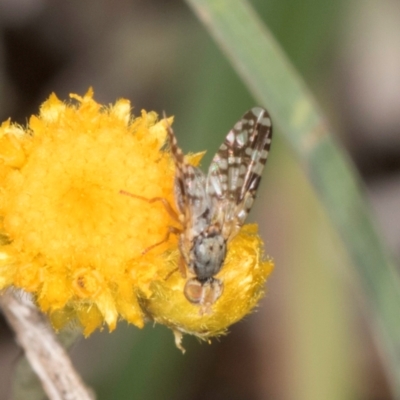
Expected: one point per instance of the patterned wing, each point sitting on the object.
(235, 172)
(190, 184)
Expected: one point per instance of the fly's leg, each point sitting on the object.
(181, 268)
(163, 201)
(170, 211)
(171, 229)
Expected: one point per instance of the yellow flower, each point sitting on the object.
(70, 236)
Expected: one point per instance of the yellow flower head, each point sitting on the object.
(71, 237)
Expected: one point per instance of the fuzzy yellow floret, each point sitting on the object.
(69, 236)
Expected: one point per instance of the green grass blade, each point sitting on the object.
(275, 84)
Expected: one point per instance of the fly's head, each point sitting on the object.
(203, 293)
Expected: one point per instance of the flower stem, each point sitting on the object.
(45, 354)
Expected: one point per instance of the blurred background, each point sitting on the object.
(311, 337)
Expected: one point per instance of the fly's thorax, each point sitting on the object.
(207, 254)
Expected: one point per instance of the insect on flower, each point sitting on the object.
(214, 207)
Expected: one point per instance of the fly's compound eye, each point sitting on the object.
(203, 293)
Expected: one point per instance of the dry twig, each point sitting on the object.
(45, 354)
